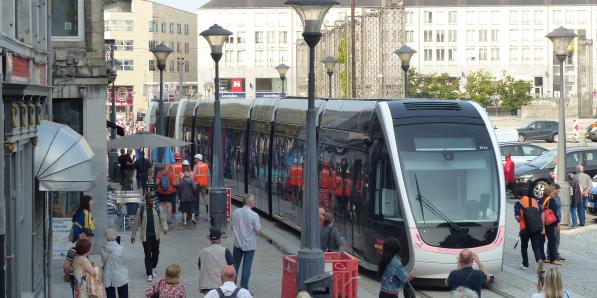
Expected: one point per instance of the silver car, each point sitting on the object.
(521, 152)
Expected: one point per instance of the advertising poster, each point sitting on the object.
(60, 244)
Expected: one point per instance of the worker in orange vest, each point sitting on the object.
(167, 182)
(295, 180)
(201, 174)
(177, 166)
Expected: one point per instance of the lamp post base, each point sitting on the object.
(310, 262)
(217, 208)
(113, 170)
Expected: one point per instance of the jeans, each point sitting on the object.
(142, 182)
(581, 210)
(558, 241)
(123, 292)
(574, 210)
(239, 255)
(552, 252)
(535, 239)
(151, 248)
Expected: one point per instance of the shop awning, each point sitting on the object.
(63, 159)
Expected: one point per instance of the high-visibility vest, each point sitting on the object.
(201, 172)
(333, 180)
(325, 178)
(339, 182)
(296, 175)
(524, 202)
(347, 186)
(177, 167)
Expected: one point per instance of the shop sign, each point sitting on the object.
(232, 95)
(124, 96)
(60, 243)
(268, 94)
(237, 85)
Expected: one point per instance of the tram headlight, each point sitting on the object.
(524, 178)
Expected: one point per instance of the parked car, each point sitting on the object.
(592, 203)
(521, 152)
(539, 130)
(534, 176)
(592, 132)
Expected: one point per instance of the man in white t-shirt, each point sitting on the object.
(246, 227)
(228, 287)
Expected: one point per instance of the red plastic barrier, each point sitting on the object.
(344, 267)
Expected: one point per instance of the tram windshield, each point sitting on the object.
(450, 173)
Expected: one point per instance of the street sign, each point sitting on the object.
(228, 202)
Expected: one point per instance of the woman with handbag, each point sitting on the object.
(169, 287)
(550, 224)
(393, 276)
(116, 275)
(87, 277)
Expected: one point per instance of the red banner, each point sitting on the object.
(237, 85)
(20, 67)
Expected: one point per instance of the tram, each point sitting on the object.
(427, 172)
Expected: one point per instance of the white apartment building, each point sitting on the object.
(508, 39)
(137, 26)
(264, 35)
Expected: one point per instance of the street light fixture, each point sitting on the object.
(310, 257)
(282, 70)
(161, 53)
(561, 38)
(330, 64)
(216, 36)
(405, 53)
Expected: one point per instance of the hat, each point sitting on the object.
(177, 156)
(198, 156)
(214, 234)
(185, 163)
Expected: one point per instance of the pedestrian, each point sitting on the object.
(83, 218)
(166, 189)
(390, 269)
(212, 260)
(115, 273)
(142, 167)
(67, 265)
(127, 170)
(463, 292)
(556, 197)
(246, 226)
(330, 236)
(84, 270)
(201, 174)
(150, 220)
(586, 186)
(228, 287)
(121, 167)
(575, 200)
(188, 192)
(168, 287)
(465, 275)
(321, 216)
(526, 212)
(550, 221)
(509, 173)
(550, 286)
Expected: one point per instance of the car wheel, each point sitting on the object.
(539, 188)
(522, 138)
(554, 138)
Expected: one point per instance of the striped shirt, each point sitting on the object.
(245, 224)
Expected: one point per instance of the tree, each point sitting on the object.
(514, 93)
(480, 88)
(342, 59)
(434, 85)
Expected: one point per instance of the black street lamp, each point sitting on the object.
(282, 70)
(405, 53)
(330, 64)
(561, 38)
(216, 36)
(310, 260)
(161, 53)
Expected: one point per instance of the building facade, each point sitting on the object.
(265, 34)
(137, 26)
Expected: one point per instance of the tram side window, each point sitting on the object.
(386, 194)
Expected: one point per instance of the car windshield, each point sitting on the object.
(543, 160)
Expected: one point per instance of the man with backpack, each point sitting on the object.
(526, 212)
(228, 288)
(150, 220)
(166, 189)
(142, 166)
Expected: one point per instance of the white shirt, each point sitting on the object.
(228, 287)
(245, 224)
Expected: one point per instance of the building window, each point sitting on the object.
(259, 19)
(229, 57)
(470, 35)
(557, 17)
(527, 17)
(482, 54)
(153, 26)
(452, 20)
(120, 25)
(410, 35)
(230, 39)
(539, 35)
(527, 36)
(123, 45)
(153, 66)
(171, 68)
(410, 16)
(452, 35)
(178, 29)
(171, 31)
(68, 18)
(483, 17)
(440, 36)
(428, 17)
(241, 58)
(187, 66)
(495, 17)
(514, 56)
(538, 56)
(283, 56)
(495, 54)
(152, 44)
(471, 18)
(471, 55)
(451, 55)
(482, 35)
(440, 54)
(186, 47)
(581, 17)
(283, 19)
(271, 37)
(186, 29)
(570, 17)
(259, 37)
(178, 47)
(428, 55)
(514, 17)
(427, 36)
(172, 46)
(163, 27)
(259, 58)
(514, 35)
(68, 111)
(241, 37)
(526, 56)
(126, 64)
(495, 35)
(283, 37)
(538, 17)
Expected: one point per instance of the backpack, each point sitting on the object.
(165, 181)
(532, 218)
(231, 295)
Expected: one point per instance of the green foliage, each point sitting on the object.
(434, 85)
(480, 88)
(514, 93)
(342, 59)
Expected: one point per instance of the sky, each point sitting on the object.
(188, 5)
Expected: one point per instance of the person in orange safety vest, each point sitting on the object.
(177, 165)
(201, 175)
